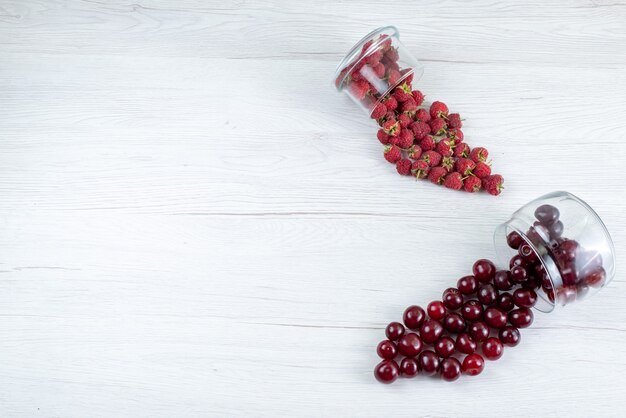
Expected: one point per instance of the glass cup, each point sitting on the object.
(562, 244)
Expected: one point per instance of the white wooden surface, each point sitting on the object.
(193, 223)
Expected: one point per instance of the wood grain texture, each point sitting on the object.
(193, 223)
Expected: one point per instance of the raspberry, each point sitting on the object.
(405, 139)
(437, 126)
(379, 70)
(418, 97)
(379, 111)
(453, 181)
(482, 170)
(464, 166)
(428, 143)
(479, 154)
(462, 150)
(391, 103)
(393, 77)
(493, 184)
(404, 119)
(415, 152)
(438, 109)
(447, 163)
(401, 95)
(472, 184)
(422, 115)
(420, 169)
(444, 148)
(382, 137)
(392, 127)
(392, 54)
(437, 175)
(409, 77)
(433, 158)
(420, 129)
(456, 135)
(404, 167)
(359, 88)
(392, 154)
(408, 106)
(374, 58)
(454, 120)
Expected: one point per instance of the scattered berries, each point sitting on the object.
(453, 181)
(479, 154)
(404, 167)
(482, 170)
(393, 154)
(493, 184)
(465, 166)
(437, 175)
(438, 110)
(472, 184)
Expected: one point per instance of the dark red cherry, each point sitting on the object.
(410, 345)
(495, 317)
(556, 230)
(528, 254)
(430, 331)
(525, 298)
(450, 369)
(428, 363)
(567, 250)
(502, 280)
(539, 233)
(465, 344)
(472, 310)
(517, 260)
(454, 323)
(568, 274)
(595, 278)
(452, 298)
(519, 274)
(487, 294)
(566, 294)
(386, 371)
(493, 348)
(467, 285)
(479, 331)
(547, 214)
(436, 310)
(408, 367)
(505, 301)
(473, 364)
(387, 350)
(413, 317)
(444, 347)
(394, 331)
(514, 240)
(510, 336)
(521, 317)
(484, 270)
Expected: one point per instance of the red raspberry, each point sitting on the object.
(382, 137)
(454, 120)
(456, 135)
(392, 154)
(437, 175)
(391, 103)
(437, 126)
(409, 75)
(392, 54)
(493, 184)
(418, 97)
(453, 181)
(420, 169)
(392, 127)
(422, 115)
(359, 88)
(482, 170)
(447, 163)
(404, 119)
(405, 139)
(462, 150)
(444, 148)
(401, 95)
(420, 129)
(379, 70)
(404, 167)
(464, 166)
(479, 154)
(433, 158)
(472, 184)
(408, 106)
(438, 109)
(393, 77)
(374, 58)
(379, 111)
(428, 143)
(415, 152)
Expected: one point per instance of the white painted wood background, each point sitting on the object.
(193, 223)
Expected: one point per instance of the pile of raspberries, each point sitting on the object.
(422, 141)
